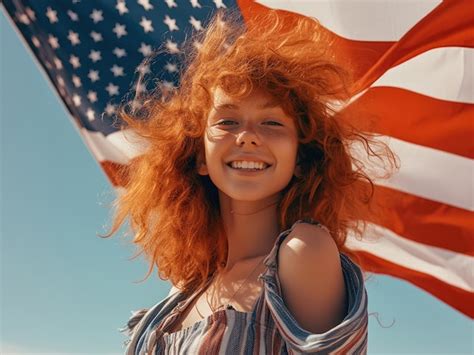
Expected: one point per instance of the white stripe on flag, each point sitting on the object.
(450, 267)
(389, 19)
(445, 73)
(118, 147)
(425, 172)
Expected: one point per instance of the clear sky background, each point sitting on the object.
(64, 290)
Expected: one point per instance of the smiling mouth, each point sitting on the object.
(248, 169)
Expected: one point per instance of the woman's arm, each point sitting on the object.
(312, 282)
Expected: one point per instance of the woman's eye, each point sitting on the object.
(232, 122)
(225, 122)
(274, 123)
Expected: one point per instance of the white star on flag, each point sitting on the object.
(76, 99)
(92, 96)
(118, 71)
(58, 63)
(171, 3)
(145, 49)
(195, 23)
(119, 30)
(76, 81)
(110, 109)
(93, 75)
(121, 7)
(171, 67)
(90, 114)
(95, 56)
(74, 61)
(119, 52)
(219, 4)
(146, 4)
(23, 18)
(96, 36)
(53, 42)
(195, 3)
(171, 23)
(172, 46)
(167, 84)
(35, 41)
(73, 37)
(31, 14)
(51, 15)
(143, 69)
(146, 24)
(112, 89)
(60, 80)
(97, 16)
(73, 16)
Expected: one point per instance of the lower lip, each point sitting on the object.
(248, 172)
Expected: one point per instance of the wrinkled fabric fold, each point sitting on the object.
(269, 328)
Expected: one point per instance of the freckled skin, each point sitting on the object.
(267, 133)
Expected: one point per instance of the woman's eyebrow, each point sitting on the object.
(229, 106)
(226, 107)
(269, 104)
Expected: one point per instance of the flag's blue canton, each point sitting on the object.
(92, 50)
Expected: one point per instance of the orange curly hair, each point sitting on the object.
(174, 211)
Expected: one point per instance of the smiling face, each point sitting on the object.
(256, 129)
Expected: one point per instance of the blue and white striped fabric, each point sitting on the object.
(269, 328)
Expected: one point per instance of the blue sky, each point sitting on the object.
(64, 290)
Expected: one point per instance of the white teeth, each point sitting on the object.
(248, 165)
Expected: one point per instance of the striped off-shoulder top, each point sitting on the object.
(269, 328)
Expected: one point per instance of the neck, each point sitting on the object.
(251, 227)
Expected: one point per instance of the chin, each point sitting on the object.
(247, 195)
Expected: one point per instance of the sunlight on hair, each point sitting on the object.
(174, 212)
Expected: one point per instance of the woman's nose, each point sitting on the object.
(247, 136)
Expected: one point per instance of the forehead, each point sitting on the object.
(257, 97)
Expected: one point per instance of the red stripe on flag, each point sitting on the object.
(362, 54)
(424, 221)
(450, 24)
(415, 118)
(460, 299)
(115, 172)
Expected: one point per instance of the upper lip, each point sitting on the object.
(247, 158)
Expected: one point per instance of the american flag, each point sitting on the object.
(413, 63)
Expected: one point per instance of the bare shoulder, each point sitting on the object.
(311, 278)
(309, 238)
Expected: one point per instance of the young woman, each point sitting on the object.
(244, 198)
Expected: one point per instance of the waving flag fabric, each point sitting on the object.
(414, 64)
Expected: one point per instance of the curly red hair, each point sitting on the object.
(174, 211)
